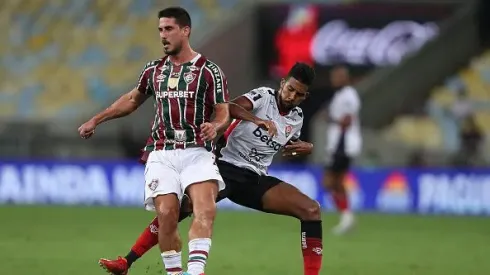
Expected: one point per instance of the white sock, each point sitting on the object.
(198, 255)
(172, 260)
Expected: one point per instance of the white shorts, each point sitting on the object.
(172, 171)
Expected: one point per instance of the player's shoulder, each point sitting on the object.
(297, 113)
(154, 62)
(348, 93)
(265, 91)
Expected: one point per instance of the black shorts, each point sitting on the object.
(244, 187)
(340, 163)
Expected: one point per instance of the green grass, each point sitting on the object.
(65, 240)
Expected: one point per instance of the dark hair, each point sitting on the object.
(181, 16)
(303, 73)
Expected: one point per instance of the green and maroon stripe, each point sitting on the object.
(160, 131)
(198, 256)
(191, 104)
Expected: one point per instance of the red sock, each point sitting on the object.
(147, 239)
(341, 201)
(311, 246)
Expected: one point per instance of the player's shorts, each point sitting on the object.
(338, 163)
(245, 187)
(173, 171)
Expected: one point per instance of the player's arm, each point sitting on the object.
(241, 108)
(296, 147)
(123, 106)
(217, 90)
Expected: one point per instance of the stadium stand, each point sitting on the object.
(65, 57)
(467, 94)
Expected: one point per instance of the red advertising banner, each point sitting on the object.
(363, 36)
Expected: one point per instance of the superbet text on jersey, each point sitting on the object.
(184, 99)
(251, 147)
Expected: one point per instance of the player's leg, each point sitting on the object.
(202, 181)
(333, 181)
(146, 241)
(162, 194)
(271, 195)
(285, 199)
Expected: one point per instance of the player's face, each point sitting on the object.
(292, 92)
(172, 35)
(339, 77)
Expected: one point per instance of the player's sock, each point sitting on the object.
(198, 255)
(341, 201)
(312, 246)
(147, 240)
(172, 260)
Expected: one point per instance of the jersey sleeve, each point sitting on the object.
(258, 97)
(144, 84)
(217, 89)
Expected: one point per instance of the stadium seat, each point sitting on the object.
(429, 131)
(78, 53)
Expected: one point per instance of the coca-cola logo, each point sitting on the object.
(337, 42)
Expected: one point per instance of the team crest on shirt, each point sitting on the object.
(189, 77)
(153, 184)
(288, 130)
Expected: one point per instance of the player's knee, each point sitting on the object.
(205, 214)
(167, 218)
(310, 211)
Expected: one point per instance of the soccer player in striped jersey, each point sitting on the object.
(247, 151)
(187, 88)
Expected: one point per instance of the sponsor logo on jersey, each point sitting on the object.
(161, 77)
(394, 195)
(193, 68)
(175, 94)
(189, 77)
(265, 138)
(180, 135)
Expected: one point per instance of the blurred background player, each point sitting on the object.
(246, 154)
(179, 159)
(344, 143)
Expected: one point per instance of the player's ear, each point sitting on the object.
(186, 31)
(283, 81)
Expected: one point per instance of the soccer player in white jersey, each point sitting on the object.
(246, 153)
(344, 143)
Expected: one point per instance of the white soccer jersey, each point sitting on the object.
(252, 148)
(345, 102)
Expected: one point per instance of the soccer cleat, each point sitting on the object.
(115, 267)
(346, 223)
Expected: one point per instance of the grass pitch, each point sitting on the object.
(69, 240)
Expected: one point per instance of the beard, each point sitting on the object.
(176, 50)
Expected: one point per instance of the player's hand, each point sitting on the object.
(297, 148)
(87, 129)
(267, 125)
(208, 131)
